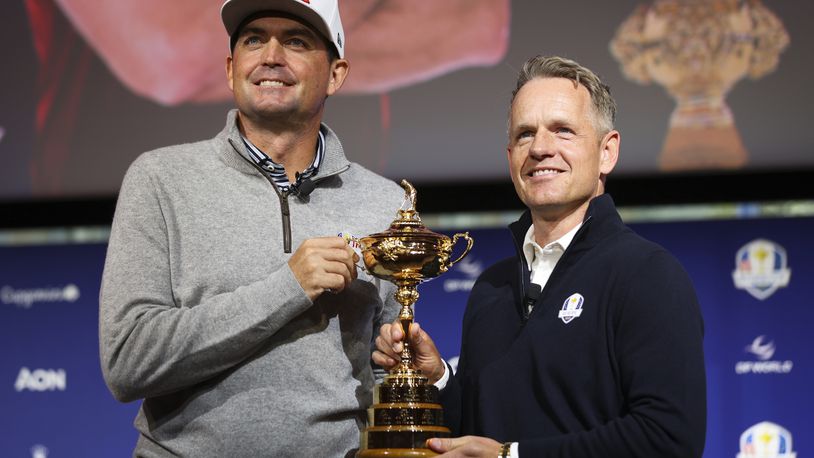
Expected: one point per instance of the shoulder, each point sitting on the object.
(379, 188)
(171, 162)
(186, 154)
(495, 281)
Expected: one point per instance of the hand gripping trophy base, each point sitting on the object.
(406, 412)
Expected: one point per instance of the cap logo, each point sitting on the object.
(339, 40)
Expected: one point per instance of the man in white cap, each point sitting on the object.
(238, 344)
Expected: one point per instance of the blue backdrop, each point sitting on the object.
(753, 277)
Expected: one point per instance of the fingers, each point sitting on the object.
(389, 345)
(469, 446)
(384, 355)
(322, 264)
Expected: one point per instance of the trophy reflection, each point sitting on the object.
(406, 411)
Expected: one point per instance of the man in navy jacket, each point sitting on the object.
(587, 342)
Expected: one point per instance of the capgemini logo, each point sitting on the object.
(25, 298)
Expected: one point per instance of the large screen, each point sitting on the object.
(701, 86)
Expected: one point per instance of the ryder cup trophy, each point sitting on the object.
(405, 411)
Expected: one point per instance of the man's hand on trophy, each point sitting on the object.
(323, 264)
(425, 355)
(467, 446)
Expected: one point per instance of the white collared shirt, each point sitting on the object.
(541, 260)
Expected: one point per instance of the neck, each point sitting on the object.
(550, 226)
(294, 148)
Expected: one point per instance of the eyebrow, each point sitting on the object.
(252, 31)
(293, 31)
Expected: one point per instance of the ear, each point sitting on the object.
(339, 71)
(230, 73)
(609, 152)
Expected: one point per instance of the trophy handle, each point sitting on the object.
(469, 243)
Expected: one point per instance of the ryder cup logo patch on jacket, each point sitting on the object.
(571, 308)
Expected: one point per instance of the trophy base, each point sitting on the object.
(396, 452)
(406, 414)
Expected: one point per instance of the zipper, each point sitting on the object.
(535, 295)
(285, 209)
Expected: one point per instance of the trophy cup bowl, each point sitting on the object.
(406, 411)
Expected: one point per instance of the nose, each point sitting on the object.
(541, 146)
(274, 53)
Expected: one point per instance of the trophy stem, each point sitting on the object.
(406, 295)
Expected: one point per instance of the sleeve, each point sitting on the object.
(659, 353)
(450, 397)
(149, 345)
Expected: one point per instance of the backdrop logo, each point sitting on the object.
(25, 298)
(471, 269)
(39, 451)
(41, 380)
(763, 351)
(766, 440)
(760, 268)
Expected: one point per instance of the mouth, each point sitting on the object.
(543, 172)
(269, 82)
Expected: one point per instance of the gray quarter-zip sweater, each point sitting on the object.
(201, 317)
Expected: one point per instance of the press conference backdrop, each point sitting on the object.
(753, 276)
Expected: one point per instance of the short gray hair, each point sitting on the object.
(559, 67)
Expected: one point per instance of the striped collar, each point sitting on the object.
(277, 171)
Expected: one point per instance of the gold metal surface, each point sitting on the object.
(406, 411)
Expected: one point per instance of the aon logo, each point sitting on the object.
(41, 380)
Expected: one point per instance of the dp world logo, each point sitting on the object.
(766, 440)
(470, 269)
(763, 349)
(760, 268)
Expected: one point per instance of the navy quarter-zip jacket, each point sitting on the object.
(625, 378)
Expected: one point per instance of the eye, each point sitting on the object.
(525, 134)
(252, 40)
(298, 43)
(562, 130)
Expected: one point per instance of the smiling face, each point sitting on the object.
(557, 158)
(280, 71)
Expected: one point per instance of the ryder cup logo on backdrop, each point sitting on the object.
(470, 269)
(760, 268)
(25, 298)
(39, 451)
(571, 308)
(766, 440)
(764, 350)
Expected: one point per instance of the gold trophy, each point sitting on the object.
(405, 411)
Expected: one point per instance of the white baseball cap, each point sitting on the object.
(323, 15)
